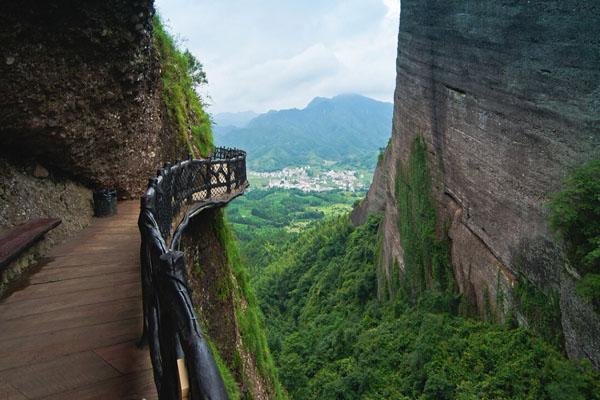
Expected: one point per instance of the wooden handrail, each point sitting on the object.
(176, 343)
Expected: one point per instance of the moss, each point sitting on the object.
(426, 256)
(185, 110)
(233, 391)
(490, 315)
(248, 314)
(574, 216)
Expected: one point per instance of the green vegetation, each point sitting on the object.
(426, 258)
(181, 72)
(266, 220)
(347, 130)
(589, 288)
(574, 216)
(247, 313)
(233, 391)
(541, 311)
(332, 338)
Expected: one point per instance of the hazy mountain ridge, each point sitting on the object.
(346, 129)
(234, 119)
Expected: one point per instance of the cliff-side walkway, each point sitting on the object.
(71, 332)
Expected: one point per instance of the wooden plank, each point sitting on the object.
(25, 307)
(184, 382)
(7, 392)
(107, 247)
(53, 288)
(126, 357)
(18, 239)
(86, 315)
(39, 348)
(114, 258)
(94, 259)
(81, 271)
(136, 386)
(70, 333)
(59, 375)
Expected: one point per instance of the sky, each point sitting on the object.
(274, 54)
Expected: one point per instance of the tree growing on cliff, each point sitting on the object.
(195, 69)
(574, 216)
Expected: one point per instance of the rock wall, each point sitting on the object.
(28, 190)
(507, 97)
(80, 90)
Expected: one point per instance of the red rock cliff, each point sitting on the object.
(506, 96)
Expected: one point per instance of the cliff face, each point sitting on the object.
(506, 96)
(227, 308)
(80, 90)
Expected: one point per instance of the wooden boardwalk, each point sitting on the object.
(70, 333)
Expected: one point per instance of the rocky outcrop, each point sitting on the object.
(80, 90)
(506, 96)
(28, 190)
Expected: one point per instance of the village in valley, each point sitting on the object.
(309, 179)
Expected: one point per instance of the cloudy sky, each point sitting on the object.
(272, 54)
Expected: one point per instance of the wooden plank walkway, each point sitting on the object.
(70, 333)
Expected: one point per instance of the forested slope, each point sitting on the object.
(333, 339)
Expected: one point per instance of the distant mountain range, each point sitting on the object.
(345, 130)
(236, 119)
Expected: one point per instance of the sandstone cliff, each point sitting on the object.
(80, 90)
(506, 96)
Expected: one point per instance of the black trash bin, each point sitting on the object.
(105, 202)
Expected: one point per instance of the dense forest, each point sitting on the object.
(333, 339)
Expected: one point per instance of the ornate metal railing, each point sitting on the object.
(183, 364)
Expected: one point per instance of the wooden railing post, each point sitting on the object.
(228, 176)
(209, 175)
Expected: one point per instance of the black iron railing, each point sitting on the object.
(181, 358)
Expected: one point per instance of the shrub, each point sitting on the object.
(574, 216)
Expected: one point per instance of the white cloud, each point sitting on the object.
(269, 54)
(393, 7)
